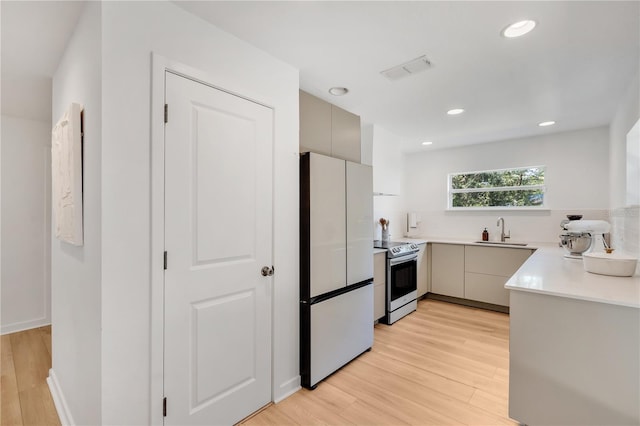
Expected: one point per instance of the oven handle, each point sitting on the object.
(403, 259)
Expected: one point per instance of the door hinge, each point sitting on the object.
(164, 407)
(165, 260)
(166, 113)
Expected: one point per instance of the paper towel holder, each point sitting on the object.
(412, 221)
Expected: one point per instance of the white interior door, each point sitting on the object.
(218, 236)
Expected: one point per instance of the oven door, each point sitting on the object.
(401, 281)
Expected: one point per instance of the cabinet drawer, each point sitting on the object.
(486, 288)
(494, 260)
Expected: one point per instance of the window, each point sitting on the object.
(507, 188)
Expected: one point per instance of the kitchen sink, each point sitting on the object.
(500, 243)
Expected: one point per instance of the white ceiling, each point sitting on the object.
(34, 35)
(573, 68)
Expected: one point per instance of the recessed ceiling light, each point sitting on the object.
(546, 123)
(338, 91)
(455, 111)
(427, 143)
(519, 28)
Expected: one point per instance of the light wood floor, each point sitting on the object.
(26, 360)
(444, 364)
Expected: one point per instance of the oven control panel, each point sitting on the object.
(402, 249)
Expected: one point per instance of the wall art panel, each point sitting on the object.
(66, 182)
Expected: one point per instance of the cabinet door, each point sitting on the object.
(379, 284)
(327, 224)
(423, 275)
(315, 124)
(447, 269)
(495, 260)
(345, 134)
(486, 288)
(359, 222)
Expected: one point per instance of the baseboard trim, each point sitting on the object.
(287, 389)
(467, 302)
(25, 325)
(66, 419)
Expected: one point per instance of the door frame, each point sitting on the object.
(160, 65)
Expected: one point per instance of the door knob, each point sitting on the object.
(267, 271)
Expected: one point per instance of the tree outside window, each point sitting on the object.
(506, 188)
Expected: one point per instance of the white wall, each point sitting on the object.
(366, 144)
(26, 229)
(625, 219)
(576, 179)
(75, 271)
(388, 164)
(131, 31)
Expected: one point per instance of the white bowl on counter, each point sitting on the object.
(613, 264)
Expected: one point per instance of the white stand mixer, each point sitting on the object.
(584, 236)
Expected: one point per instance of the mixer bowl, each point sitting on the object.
(576, 243)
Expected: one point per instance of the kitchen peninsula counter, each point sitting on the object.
(574, 343)
(548, 272)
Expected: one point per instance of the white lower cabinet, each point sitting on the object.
(486, 288)
(573, 362)
(475, 272)
(487, 270)
(502, 261)
(423, 271)
(379, 284)
(447, 269)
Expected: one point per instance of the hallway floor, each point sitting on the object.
(26, 360)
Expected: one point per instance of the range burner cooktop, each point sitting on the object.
(386, 244)
(396, 249)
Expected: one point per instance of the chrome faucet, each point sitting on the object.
(503, 237)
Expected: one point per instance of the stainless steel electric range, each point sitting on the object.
(402, 288)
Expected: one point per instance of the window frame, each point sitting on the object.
(451, 190)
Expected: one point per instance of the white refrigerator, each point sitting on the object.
(336, 264)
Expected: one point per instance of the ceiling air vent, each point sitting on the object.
(408, 68)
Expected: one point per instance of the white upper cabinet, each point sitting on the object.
(345, 135)
(315, 124)
(329, 130)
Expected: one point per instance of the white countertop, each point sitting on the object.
(379, 250)
(440, 240)
(547, 271)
